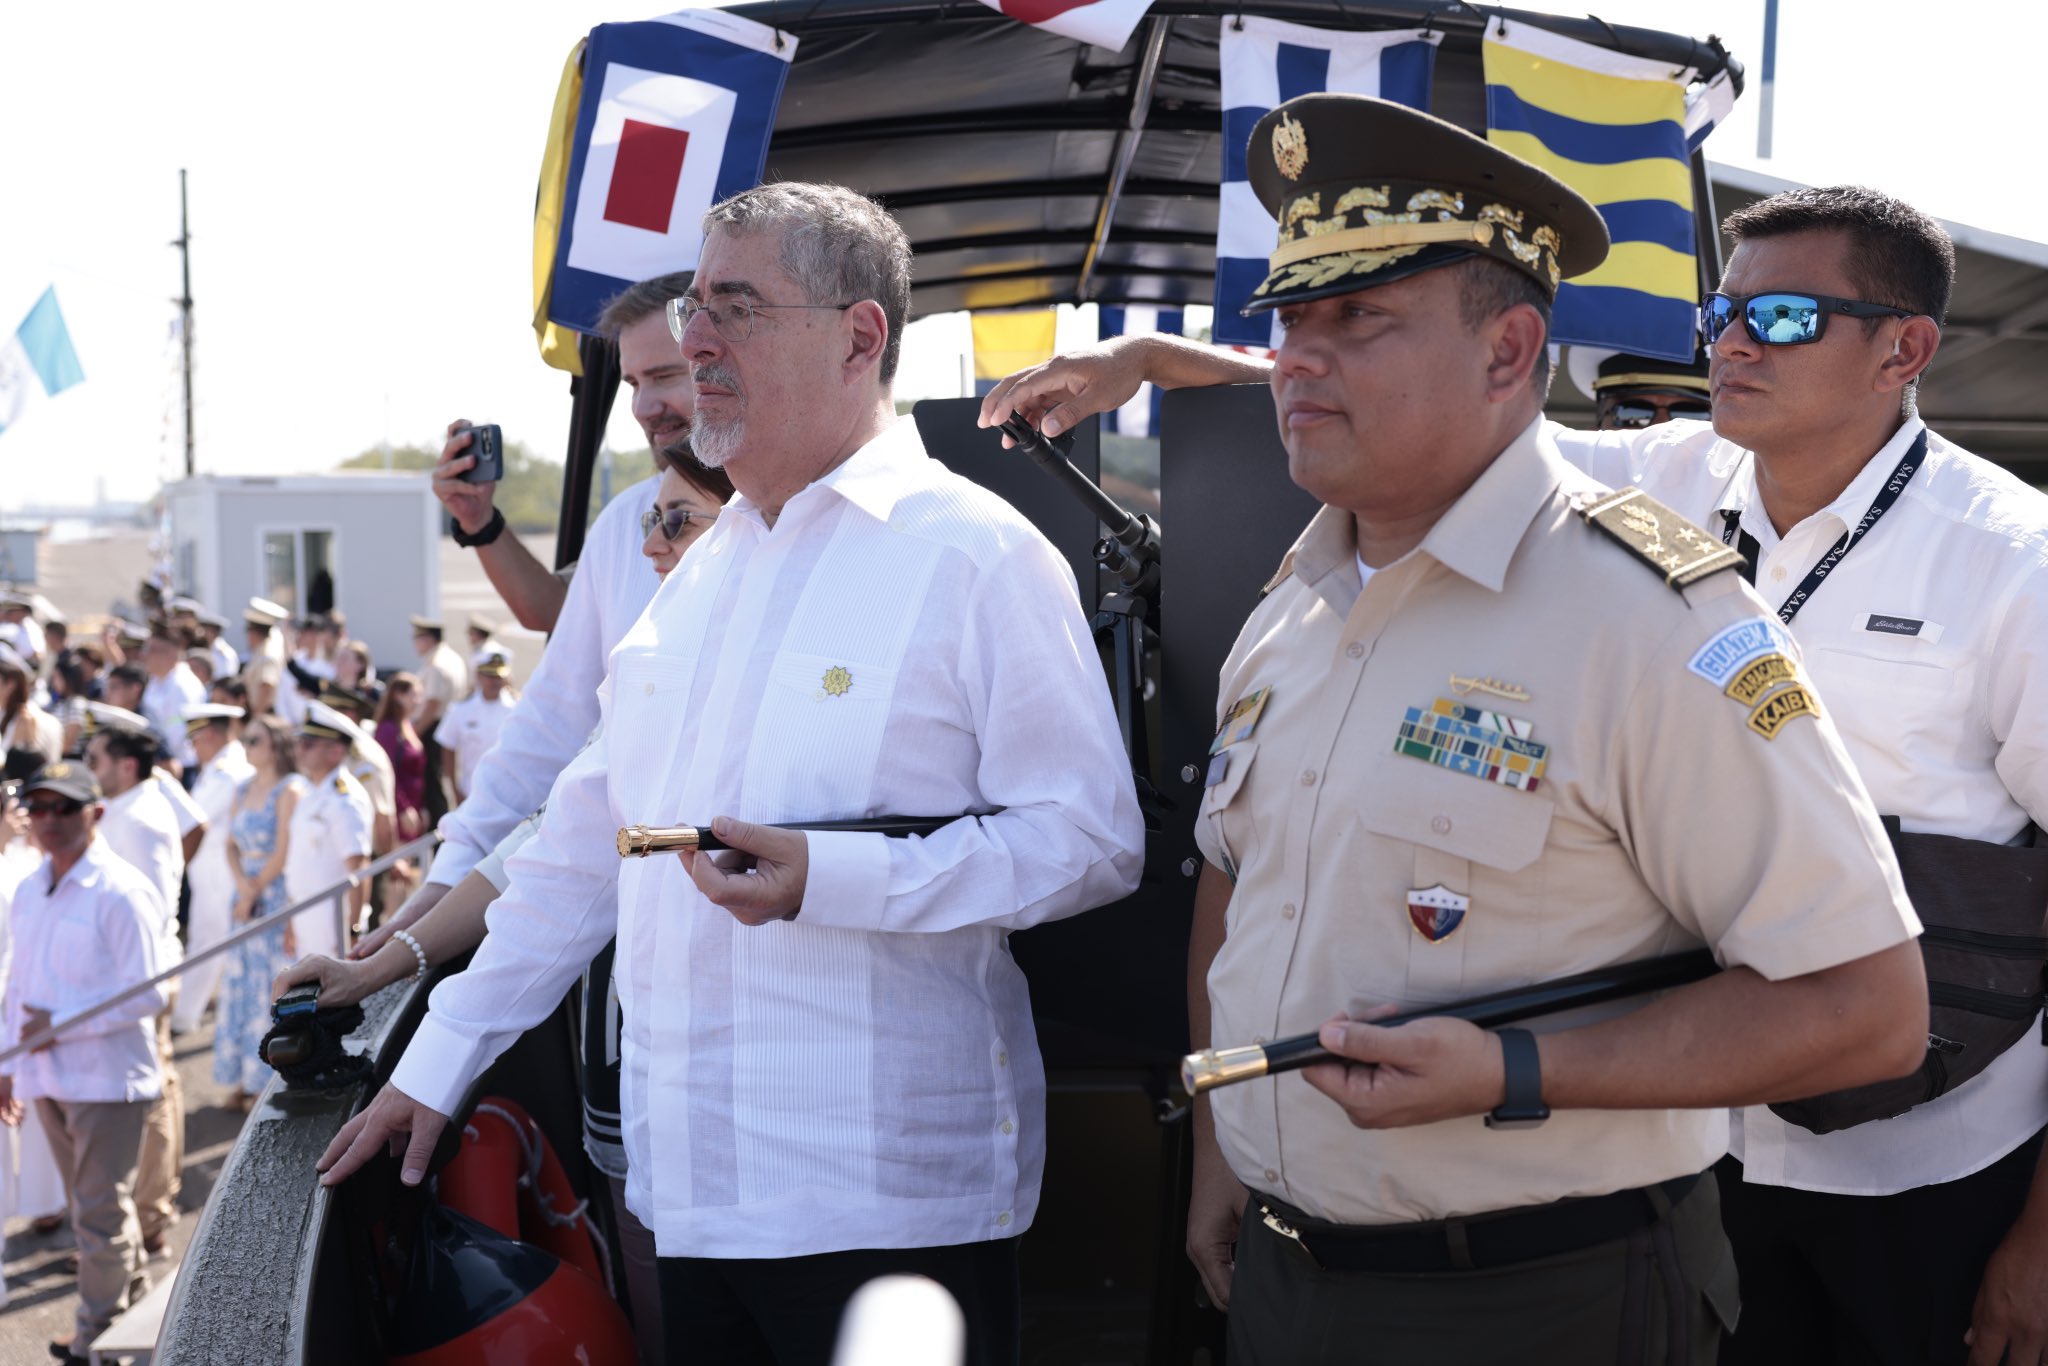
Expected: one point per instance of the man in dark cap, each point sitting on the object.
(1632, 392)
(83, 922)
(1493, 726)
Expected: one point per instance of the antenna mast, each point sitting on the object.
(184, 302)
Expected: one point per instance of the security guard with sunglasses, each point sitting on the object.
(1495, 725)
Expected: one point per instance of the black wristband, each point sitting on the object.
(1523, 1107)
(485, 534)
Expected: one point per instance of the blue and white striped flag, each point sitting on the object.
(1265, 63)
(38, 358)
(1139, 417)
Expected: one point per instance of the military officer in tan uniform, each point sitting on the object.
(1494, 725)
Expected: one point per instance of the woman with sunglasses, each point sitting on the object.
(685, 505)
(256, 852)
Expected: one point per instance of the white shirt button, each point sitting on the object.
(650, 689)
(1308, 777)
(1002, 1059)
(1003, 1219)
(1272, 1175)
(1440, 824)
(1778, 573)
(1008, 1127)
(1356, 649)
(1287, 911)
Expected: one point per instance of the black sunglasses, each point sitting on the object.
(55, 808)
(672, 521)
(1646, 412)
(1785, 318)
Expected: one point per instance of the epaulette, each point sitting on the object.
(1682, 552)
(340, 783)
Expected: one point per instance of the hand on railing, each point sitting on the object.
(391, 1116)
(340, 983)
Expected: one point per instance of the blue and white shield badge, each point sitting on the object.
(1436, 912)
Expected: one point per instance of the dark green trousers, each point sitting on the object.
(1659, 1297)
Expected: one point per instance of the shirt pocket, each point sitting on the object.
(77, 967)
(650, 695)
(818, 740)
(1227, 819)
(1474, 838)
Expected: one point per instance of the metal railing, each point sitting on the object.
(338, 894)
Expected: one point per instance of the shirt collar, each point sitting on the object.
(873, 478)
(1476, 538)
(1740, 494)
(85, 874)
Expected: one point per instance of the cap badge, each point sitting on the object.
(1290, 147)
(837, 681)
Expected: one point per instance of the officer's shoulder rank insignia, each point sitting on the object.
(1683, 553)
(339, 785)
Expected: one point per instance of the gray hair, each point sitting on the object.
(840, 246)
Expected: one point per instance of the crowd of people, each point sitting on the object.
(162, 791)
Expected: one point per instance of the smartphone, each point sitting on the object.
(300, 1000)
(487, 444)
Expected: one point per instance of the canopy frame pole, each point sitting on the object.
(1126, 149)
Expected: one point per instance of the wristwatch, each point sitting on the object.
(485, 534)
(1523, 1108)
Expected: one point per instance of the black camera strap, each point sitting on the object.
(1731, 524)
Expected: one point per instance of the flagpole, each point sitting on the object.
(184, 302)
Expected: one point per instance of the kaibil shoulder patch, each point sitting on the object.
(1681, 552)
(1780, 709)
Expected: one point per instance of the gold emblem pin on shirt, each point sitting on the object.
(837, 681)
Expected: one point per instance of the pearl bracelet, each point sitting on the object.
(417, 952)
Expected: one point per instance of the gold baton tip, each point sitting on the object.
(638, 841)
(1214, 1067)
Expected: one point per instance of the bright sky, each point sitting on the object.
(362, 185)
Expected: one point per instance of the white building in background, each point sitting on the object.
(367, 543)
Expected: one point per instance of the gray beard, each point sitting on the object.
(716, 443)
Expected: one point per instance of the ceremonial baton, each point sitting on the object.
(638, 841)
(1214, 1067)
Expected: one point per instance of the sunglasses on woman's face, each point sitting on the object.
(672, 521)
(1784, 317)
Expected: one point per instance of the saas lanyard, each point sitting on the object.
(1731, 522)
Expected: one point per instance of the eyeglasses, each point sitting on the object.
(1785, 319)
(1648, 412)
(672, 521)
(732, 319)
(55, 808)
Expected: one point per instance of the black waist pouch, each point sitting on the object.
(1983, 908)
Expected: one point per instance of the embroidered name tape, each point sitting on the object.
(1759, 676)
(1780, 709)
(1720, 659)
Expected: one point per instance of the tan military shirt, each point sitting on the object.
(1596, 768)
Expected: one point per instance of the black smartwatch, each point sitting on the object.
(485, 534)
(1523, 1108)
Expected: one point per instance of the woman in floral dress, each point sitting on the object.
(256, 850)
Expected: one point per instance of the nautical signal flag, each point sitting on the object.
(557, 343)
(1614, 128)
(1105, 23)
(37, 359)
(674, 115)
(1005, 343)
(1265, 63)
(1139, 417)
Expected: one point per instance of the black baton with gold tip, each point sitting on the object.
(638, 841)
(1214, 1067)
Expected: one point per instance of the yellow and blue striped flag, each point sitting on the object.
(1613, 127)
(1005, 343)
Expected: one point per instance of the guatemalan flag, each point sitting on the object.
(675, 115)
(1105, 23)
(37, 359)
(1139, 417)
(1265, 63)
(1620, 130)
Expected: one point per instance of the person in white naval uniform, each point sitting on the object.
(329, 837)
(473, 723)
(223, 768)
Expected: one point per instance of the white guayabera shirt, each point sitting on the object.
(1928, 643)
(865, 1075)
